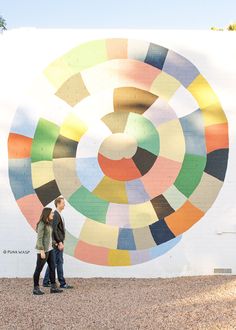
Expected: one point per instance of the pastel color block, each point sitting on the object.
(44, 141)
(193, 129)
(164, 86)
(119, 73)
(58, 72)
(99, 234)
(180, 68)
(70, 183)
(116, 48)
(213, 115)
(161, 176)
(163, 248)
(111, 190)
(183, 218)
(136, 192)
(190, 174)
(73, 90)
(91, 254)
(141, 215)
(144, 132)
(171, 135)
(73, 128)
(20, 177)
(174, 197)
(202, 91)
(89, 172)
(118, 215)
(143, 238)
(126, 239)
(25, 119)
(19, 146)
(122, 170)
(139, 257)
(86, 55)
(42, 172)
(31, 208)
(89, 205)
(132, 100)
(216, 137)
(160, 112)
(206, 192)
(119, 258)
(116, 121)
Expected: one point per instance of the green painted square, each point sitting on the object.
(144, 131)
(44, 140)
(190, 174)
(89, 205)
(86, 55)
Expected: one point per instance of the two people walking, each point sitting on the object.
(50, 244)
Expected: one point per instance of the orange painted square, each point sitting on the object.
(117, 48)
(19, 146)
(184, 218)
(216, 137)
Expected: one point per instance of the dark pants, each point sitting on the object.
(59, 266)
(39, 266)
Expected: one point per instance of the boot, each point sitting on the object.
(55, 289)
(37, 291)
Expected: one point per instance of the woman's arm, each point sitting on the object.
(41, 227)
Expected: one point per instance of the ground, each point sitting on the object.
(205, 302)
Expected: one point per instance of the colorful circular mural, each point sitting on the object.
(135, 139)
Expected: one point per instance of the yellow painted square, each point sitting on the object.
(42, 173)
(73, 128)
(58, 72)
(141, 215)
(119, 258)
(202, 92)
(164, 85)
(99, 234)
(111, 190)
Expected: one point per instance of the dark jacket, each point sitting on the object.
(44, 231)
(58, 229)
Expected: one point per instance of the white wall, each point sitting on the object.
(210, 243)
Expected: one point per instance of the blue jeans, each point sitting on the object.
(58, 255)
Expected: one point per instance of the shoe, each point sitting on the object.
(47, 285)
(37, 291)
(66, 286)
(55, 289)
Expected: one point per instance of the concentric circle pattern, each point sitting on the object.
(135, 139)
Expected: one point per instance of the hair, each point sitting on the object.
(44, 216)
(58, 200)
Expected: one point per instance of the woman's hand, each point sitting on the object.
(60, 246)
(42, 254)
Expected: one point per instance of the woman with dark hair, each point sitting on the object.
(45, 251)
